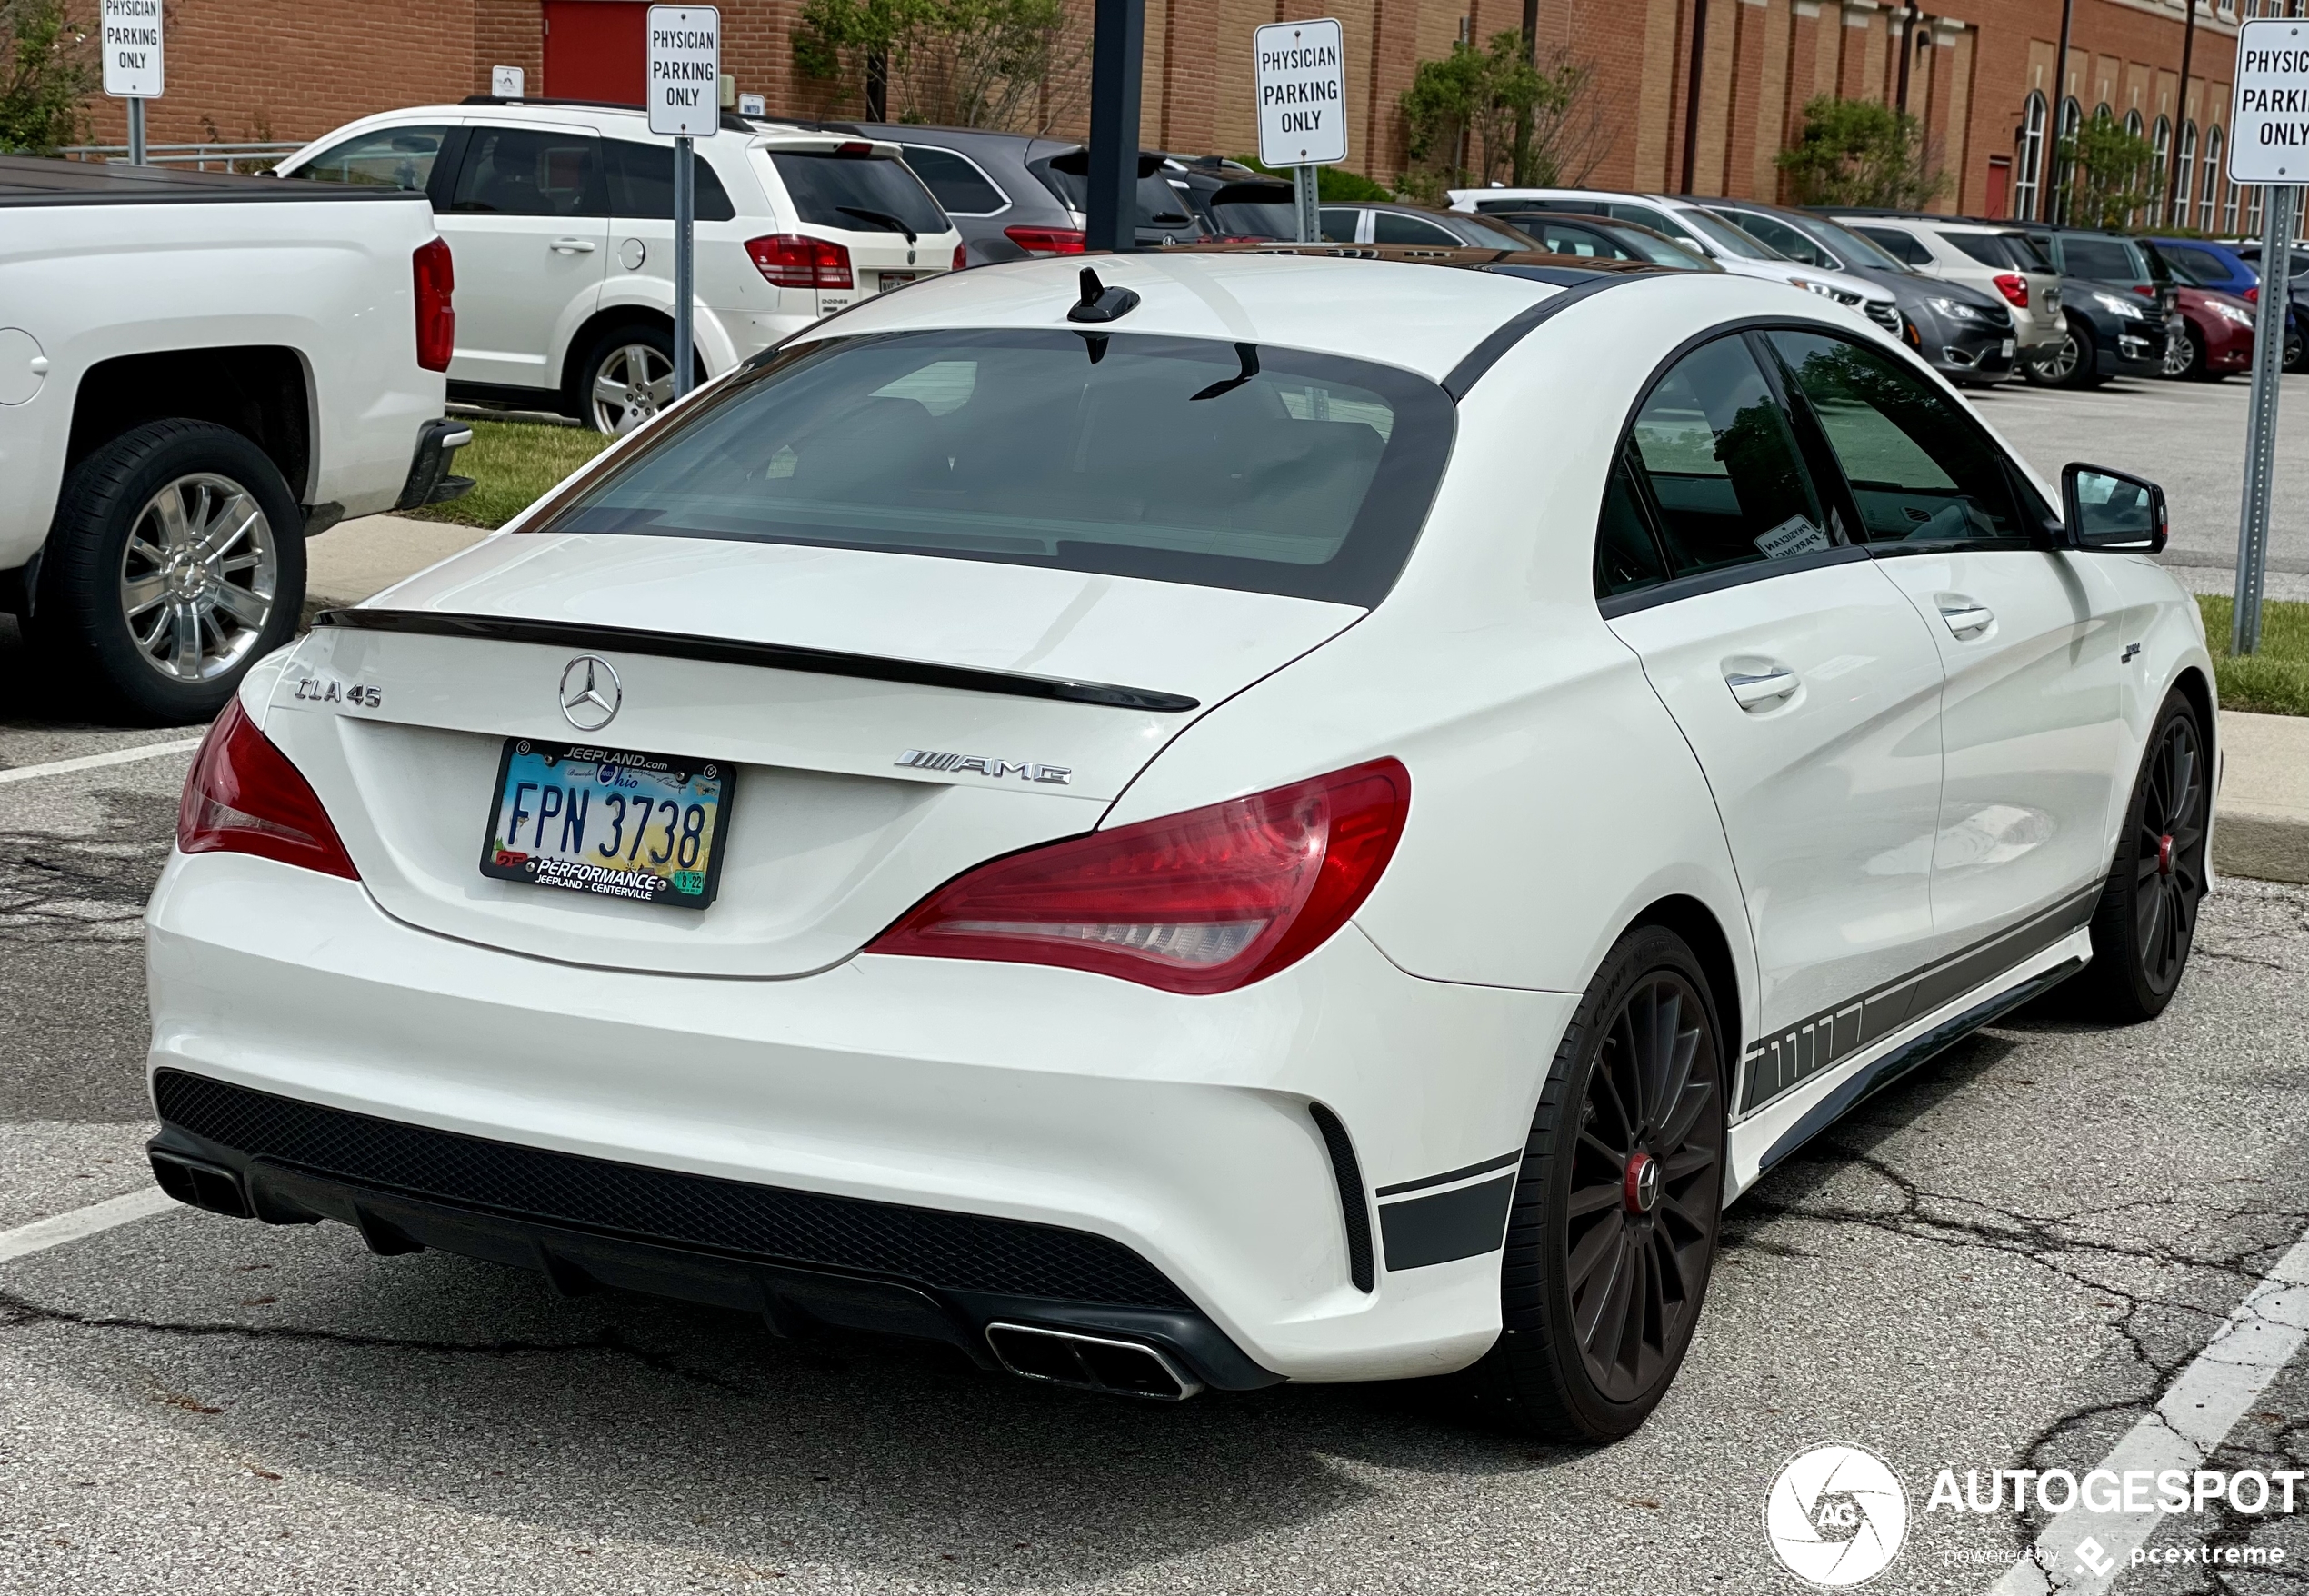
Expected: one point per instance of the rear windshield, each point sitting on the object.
(2104, 260)
(864, 194)
(1172, 459)
(1990, 249)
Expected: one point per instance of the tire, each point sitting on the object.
(2185, 357)
(2145, 923)
(2296, 351)
(1577, 1228)
(626, 378)
(154, 614)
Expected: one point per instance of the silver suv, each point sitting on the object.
(1995, 260)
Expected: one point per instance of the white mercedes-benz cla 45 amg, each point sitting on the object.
(1233, 818)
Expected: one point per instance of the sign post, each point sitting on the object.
(1303, 109)
(684, 101)
(133, 65)
(2268, 145)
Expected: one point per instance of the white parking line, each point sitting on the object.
(57, 1229)
(2198, 1410)
(89, 762)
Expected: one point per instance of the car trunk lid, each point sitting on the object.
(892, 720)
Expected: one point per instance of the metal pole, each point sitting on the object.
(1691, 94)
(1307, 193)
(685, 261)
(136, 131)
(2261, 416)
(2044, 156)
(2172, 171)
(1117, 43)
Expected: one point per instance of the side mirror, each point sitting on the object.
(2101, 508)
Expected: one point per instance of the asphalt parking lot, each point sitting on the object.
(2005, 1262)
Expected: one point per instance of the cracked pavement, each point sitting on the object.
(2002, 1262)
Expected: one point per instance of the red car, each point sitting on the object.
(2214, 338)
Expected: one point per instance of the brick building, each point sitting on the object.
(1978, 72)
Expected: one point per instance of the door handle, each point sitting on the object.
(573, 246)
(1764, 691)
(1968, 619)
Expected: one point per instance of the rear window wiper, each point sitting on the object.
(888, 221)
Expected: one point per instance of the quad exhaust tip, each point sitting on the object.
(1090, 1362)
(201, 1185)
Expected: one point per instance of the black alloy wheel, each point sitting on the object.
(2145, 923)
(1613, 1233)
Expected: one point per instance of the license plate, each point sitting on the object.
(2009, 346)
(646, 827)
(897, 280)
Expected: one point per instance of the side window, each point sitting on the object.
(1626, 556)
(1394, 227)
(1721, 461)
(388, 157)
(2105, 260)
(641, 183)
(1899, 244)
(1795, 245)
(1920, 471)
(531, 172)
(959, 187)
(1658, 220)
(1338, 223)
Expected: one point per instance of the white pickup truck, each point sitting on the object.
(198, 373)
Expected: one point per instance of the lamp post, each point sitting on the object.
(2060, 104)
(1117, 45)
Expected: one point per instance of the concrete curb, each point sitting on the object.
(2261, 829)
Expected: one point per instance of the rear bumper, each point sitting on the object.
(429, 482)
(1173, 1137)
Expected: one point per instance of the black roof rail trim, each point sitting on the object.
(770, 656)
(1510, 333)
(731, 121)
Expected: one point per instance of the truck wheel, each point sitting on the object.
(176, 561)
(1612, 1232)
(626, 378)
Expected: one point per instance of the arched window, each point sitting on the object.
(2063, 166)
(2184, 173)
(2161, 141)
(2229, 211)
(2252, 211)
(2212, 184)
(2134, 125)
(2028, 160)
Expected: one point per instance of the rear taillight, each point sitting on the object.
(436, 281)
(2253, 295)
(2015, 288)
(1046, 241)
(788, 260)
(961, 256)
(1202, 901)
(2145, 291)
(244, 796)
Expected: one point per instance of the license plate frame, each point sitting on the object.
(613, 773)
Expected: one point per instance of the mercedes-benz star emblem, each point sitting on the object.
(590, 693)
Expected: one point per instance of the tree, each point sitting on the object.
(2113, 173)
(1479, 115)
(1006, 64)
(46, 76)
(1861, 153)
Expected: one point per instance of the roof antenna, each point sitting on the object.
(1100, 303)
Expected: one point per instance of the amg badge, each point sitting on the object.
(929, 759)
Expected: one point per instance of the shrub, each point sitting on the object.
(1861, 153)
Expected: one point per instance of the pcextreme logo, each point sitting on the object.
(1835, 1516)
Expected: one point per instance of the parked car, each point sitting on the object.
(200, 371)
(2296, 289)
(1603, 238)
(1988, 258)
(1080, 903)
(1233, 201)
(1694, 227)
(2213, 338)
(561, 217)
(1385, 221)
(2119, 303)
(1165, 216)
(1966, 335)
(2230, 269)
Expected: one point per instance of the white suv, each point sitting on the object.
(561, 219)
(1699, 230)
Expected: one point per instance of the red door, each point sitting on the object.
(594, 50)
(2000, 187)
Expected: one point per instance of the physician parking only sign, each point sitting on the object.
(685, 70)
(2269, 107)
(1303, 93)
(131, 46)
